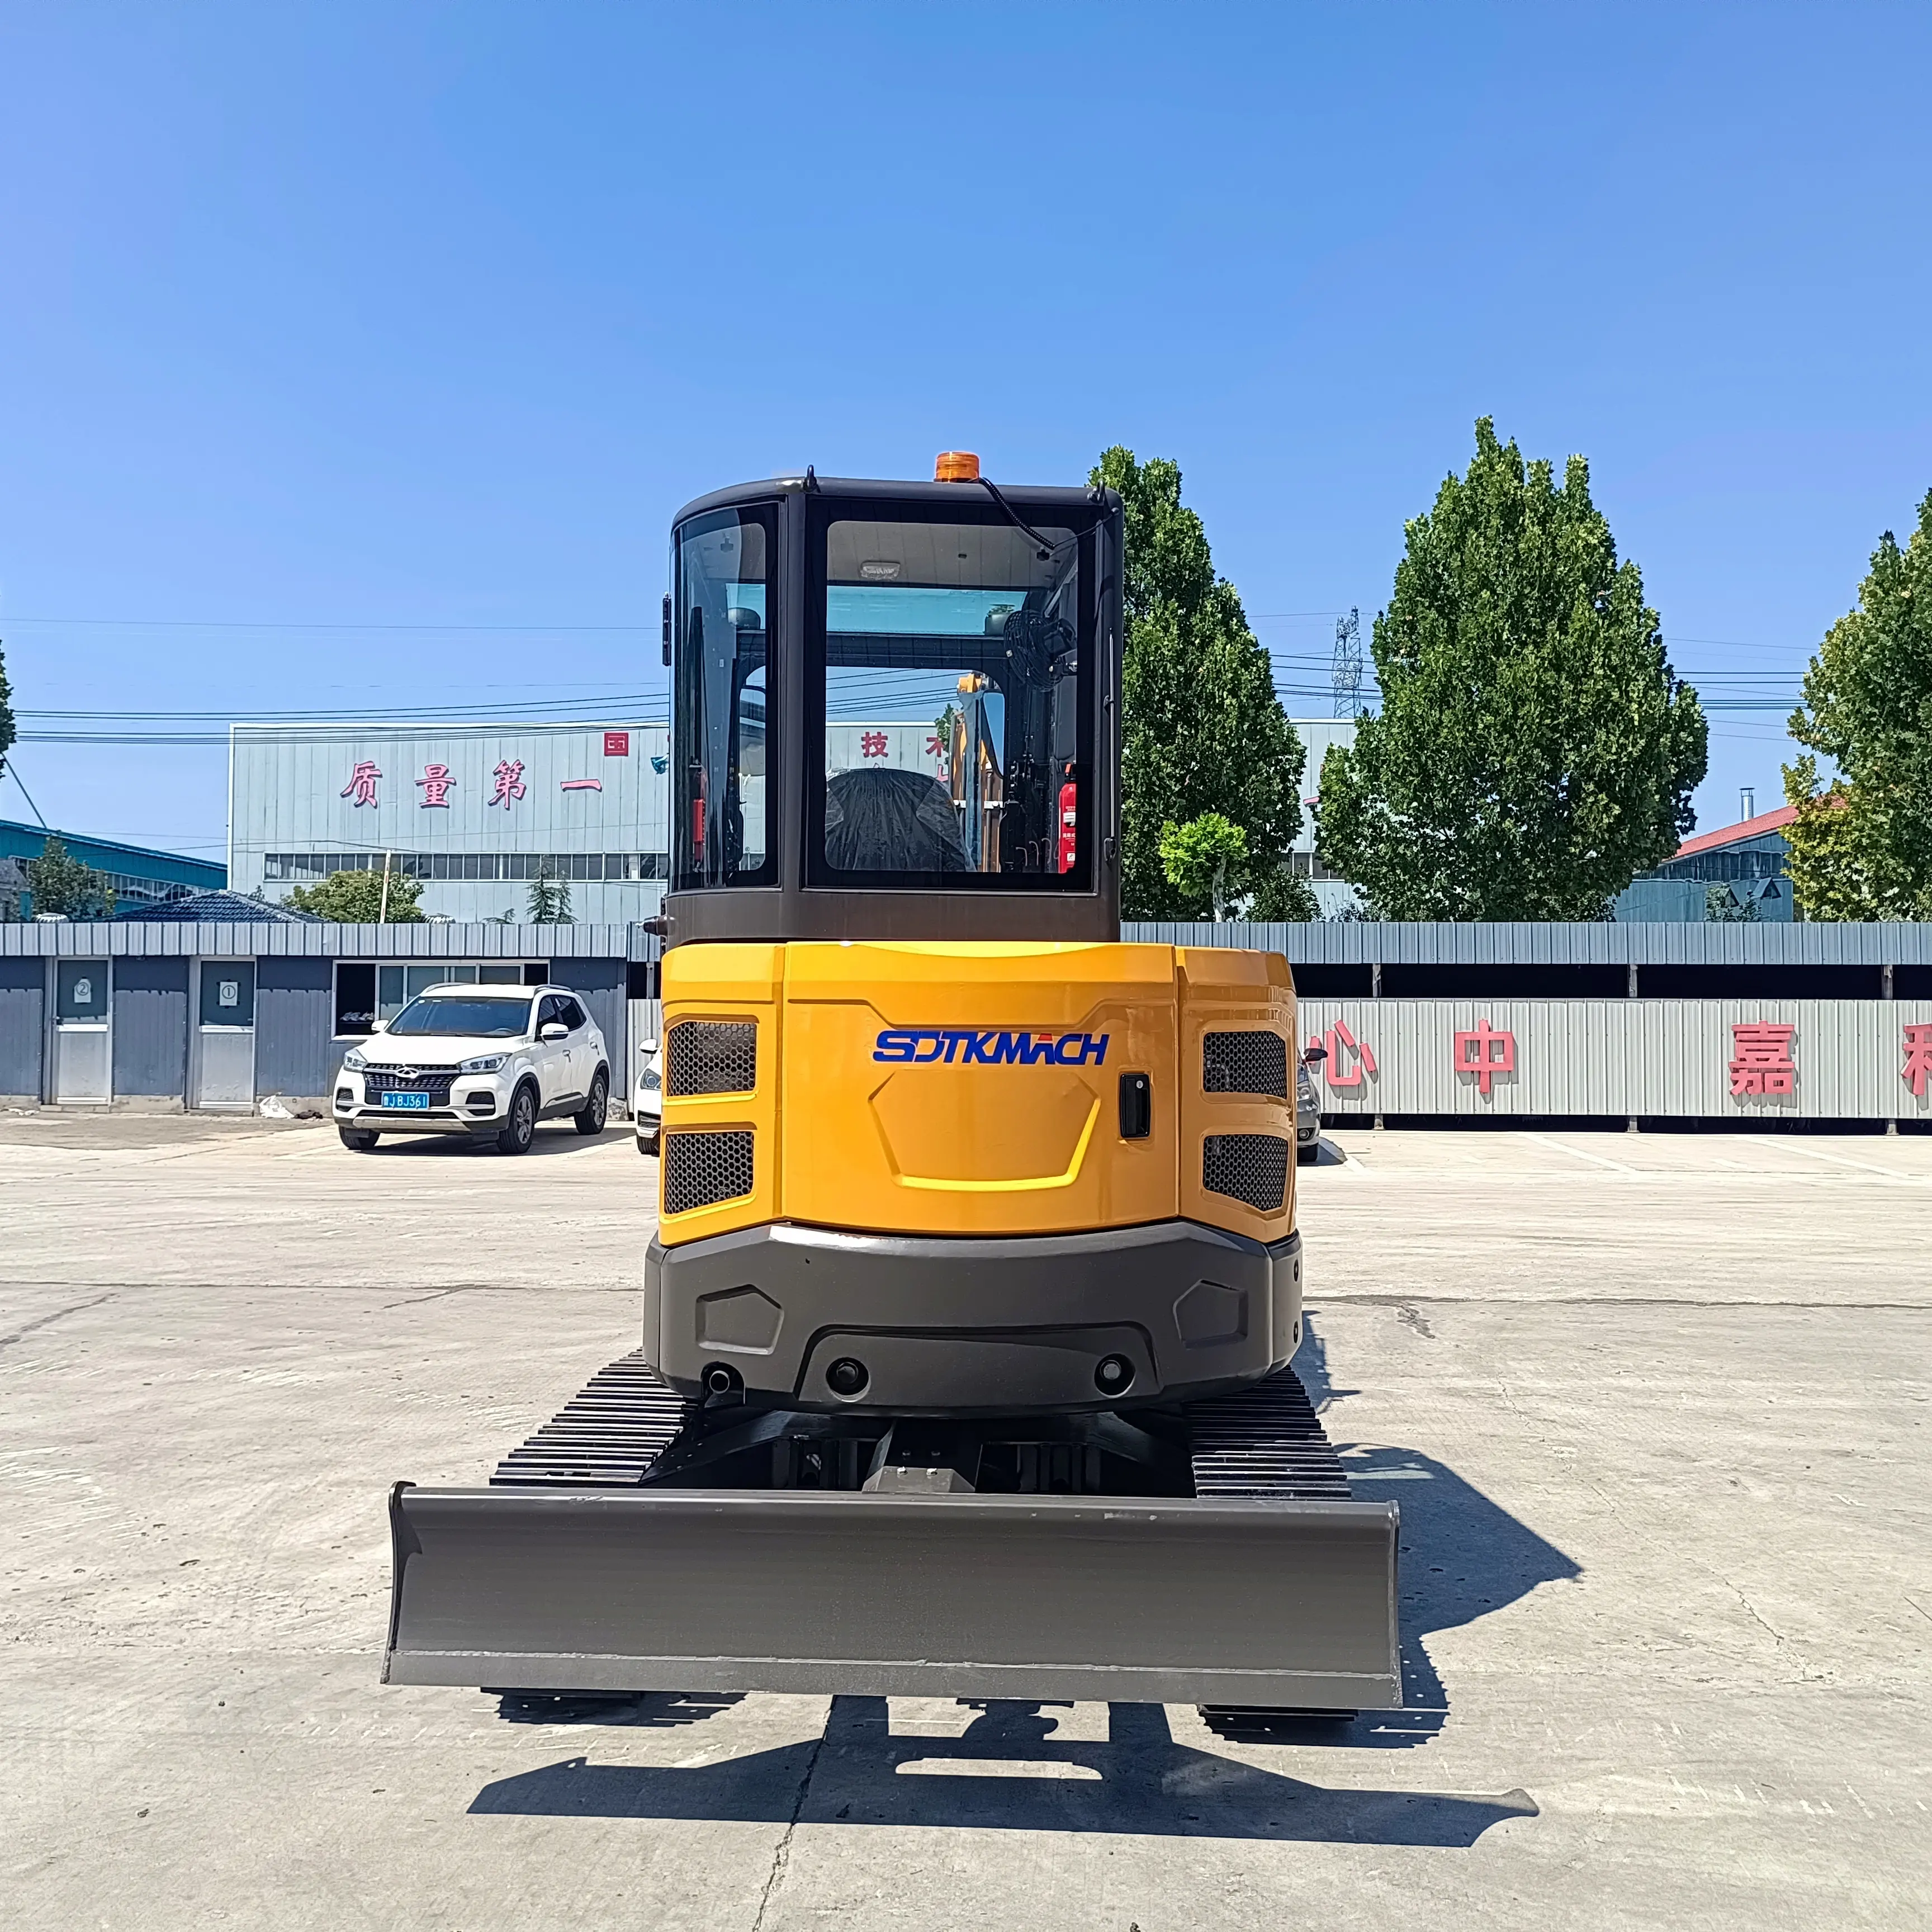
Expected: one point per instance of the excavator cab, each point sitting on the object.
(967, 1318)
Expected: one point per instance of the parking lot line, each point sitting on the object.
(1584, 1153)
(1844, 1160)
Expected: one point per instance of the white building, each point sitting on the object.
(471, 810)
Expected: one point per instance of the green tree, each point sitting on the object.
(550, 896)
(1535, 751)
(60, 882)
(1200, 857)
(1202, 729)
(355, 899)
(7, 731)
(1861, 848)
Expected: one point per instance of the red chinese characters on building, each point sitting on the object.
(1917, 1059)
(436, 782)
(361, 785)
(1761, 1063)
(1485, 1051)
(872, 744)
(617, 744)
(1339, 1043)
(509, 777)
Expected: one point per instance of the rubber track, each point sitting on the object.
(606, 1437)
(1265, 1441)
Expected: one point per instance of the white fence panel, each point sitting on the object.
(1841, 1059)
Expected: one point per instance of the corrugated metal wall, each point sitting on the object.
(486, 940)
(1649, 1058)
(295, 1017)
(601, 982)
(23, 1017)
(1369, 941)
(1598, 1056)
(150, 1003)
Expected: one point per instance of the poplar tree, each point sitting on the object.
(1534, 751)
(1202, 730)
(1861, 847)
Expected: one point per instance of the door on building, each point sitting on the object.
(83, 1023)
(225, 1038)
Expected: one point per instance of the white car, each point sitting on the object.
(487, 1061)
(647, 1104)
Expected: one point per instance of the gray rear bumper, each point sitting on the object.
(985, 1325)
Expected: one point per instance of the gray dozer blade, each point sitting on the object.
(1208, 1600)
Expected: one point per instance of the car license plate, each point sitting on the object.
(414, 1102)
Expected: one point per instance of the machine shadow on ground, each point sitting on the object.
(1005, 1771)
(1461, 1557)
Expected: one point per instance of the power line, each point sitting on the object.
(283, 624)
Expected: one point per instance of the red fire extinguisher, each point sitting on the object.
(1069, 824)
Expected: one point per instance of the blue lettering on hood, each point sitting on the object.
(970, 1046)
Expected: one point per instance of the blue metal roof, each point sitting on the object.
(110, 855)
(217, 908)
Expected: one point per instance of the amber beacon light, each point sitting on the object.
(956, 466)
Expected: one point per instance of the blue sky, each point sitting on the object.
(315, 320)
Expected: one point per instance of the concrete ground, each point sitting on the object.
(1655, 1408)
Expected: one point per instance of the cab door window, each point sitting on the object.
(722, 832)
(952, 677)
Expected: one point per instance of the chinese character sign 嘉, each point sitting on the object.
(361, 785)
(1918, 1058)
(1761, 1062)
(509, 777)
(436, 782)
(1485, 1051)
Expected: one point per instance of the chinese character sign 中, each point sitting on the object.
(1918, 1058)
(1486, 1051)
(1761, 1063)
(361, 785)
(509, 777)
(436, 782)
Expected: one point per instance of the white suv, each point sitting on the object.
(486, 1061)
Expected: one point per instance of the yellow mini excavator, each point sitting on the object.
(967, 1321)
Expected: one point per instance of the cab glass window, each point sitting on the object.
(956, 689)
(722, 833)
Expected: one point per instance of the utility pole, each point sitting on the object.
(1347, 671)
(382, 912)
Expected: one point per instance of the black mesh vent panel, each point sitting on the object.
(702, 1169)
(1244, 1062)
(711, 1057)
(1252, 1167)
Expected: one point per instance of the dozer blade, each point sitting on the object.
(1217, 1600)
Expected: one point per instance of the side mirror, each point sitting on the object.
(1314, 1056)
(647, 1046)
(379, 1025)
(553, 1030)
